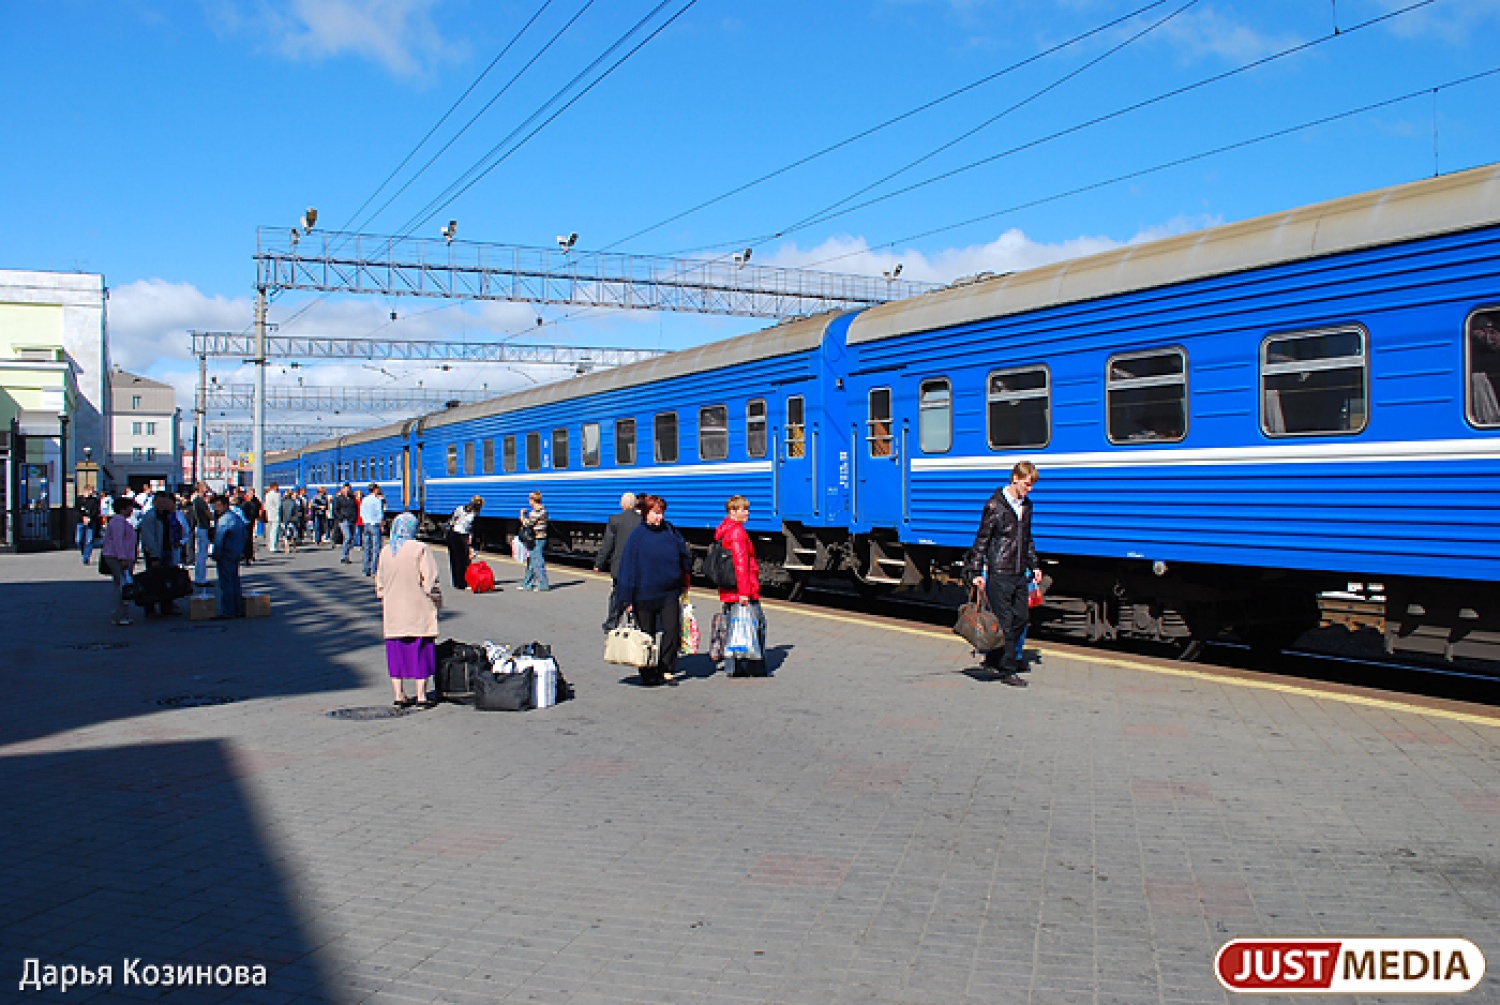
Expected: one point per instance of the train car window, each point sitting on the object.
(533, 451)
(624, 442)
(488, 455)
(665, 438)
(1019, 408)
(469, 468)
(1147, 397)
(452, 459)
(935, 416)
(796, 428)
(1483, 368)
(560, 447)
(755, 427)
(713, 433)
(878, 426)
(591, 444)
(508, 454)
(1313, 383)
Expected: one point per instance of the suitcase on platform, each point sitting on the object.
(480, 577)
(458, 664)
(505, 692)
(162, 584)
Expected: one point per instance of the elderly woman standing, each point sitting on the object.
(119, 553)
(406, 582)
(655, 570)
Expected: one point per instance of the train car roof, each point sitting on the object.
(794, 336)
(347, 440)
(1461, 201)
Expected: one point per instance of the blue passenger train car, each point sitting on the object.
(1227, 423)
(748, 416)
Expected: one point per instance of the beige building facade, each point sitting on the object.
(146, 450)
(54, 399)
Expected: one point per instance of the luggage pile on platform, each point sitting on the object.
(495, 678)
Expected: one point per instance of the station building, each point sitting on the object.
(54, 400)
(146, 449)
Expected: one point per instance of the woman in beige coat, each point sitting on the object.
(407, 584)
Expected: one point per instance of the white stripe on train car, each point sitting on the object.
(649, 470)
(1292, 453)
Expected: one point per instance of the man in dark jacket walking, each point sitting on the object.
(345, 512)
(611, 548)
(1003, 562)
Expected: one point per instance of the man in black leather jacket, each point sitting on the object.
(611, 548)
(1003, 562)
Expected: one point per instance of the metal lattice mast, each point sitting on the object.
(241, 346)
(298, 398)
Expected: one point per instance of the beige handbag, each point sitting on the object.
(629, 646)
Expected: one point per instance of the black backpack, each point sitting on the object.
(718, 566)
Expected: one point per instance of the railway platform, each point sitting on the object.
(877, 822)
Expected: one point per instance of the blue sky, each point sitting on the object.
(147, 139)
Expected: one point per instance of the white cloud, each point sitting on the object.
(1461, 23)
(1012, 251)
(399, 35)
(1211, 33)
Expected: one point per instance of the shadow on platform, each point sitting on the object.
(152, 852)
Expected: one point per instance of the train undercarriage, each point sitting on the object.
(1105, 600)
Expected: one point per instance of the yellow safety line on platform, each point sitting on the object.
(1203, 675)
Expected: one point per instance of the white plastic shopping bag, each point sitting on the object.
(744, 633)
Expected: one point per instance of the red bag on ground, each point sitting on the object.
(480, 577)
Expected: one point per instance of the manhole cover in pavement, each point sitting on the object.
(367, 712)
(97, 647)
(196, 700)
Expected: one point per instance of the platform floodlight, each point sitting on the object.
(309, 219)
(741, 257)
(450, 230)
(893, 273)
(566, 243)
(296, 236)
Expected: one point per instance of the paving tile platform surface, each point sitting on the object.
(878, 822)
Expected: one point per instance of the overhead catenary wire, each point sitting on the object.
(1167, 165)
(975, 130)
(354, 217)
(886, 124)
(1079, 127)
(480, 170)
(476, 116)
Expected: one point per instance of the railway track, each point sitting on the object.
(1349, 648)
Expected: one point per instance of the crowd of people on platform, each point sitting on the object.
(649, 562)
(177, 530)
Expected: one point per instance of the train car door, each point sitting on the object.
(795, 469)
(406, 478)
(878, 449)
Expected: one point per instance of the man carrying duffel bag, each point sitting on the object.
(162, 539)
(998, 563)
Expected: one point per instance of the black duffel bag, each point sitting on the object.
(978, 624)
(458, 664)
(505, 692)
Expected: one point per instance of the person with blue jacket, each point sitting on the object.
(230, 536)
(655, 570)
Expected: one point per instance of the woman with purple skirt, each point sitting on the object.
(407, 584)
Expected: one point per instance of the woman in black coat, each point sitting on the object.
(655, 570)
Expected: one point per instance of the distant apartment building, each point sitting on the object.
(54, 401)
(146, 449)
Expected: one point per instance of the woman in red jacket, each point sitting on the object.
(733, 536)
